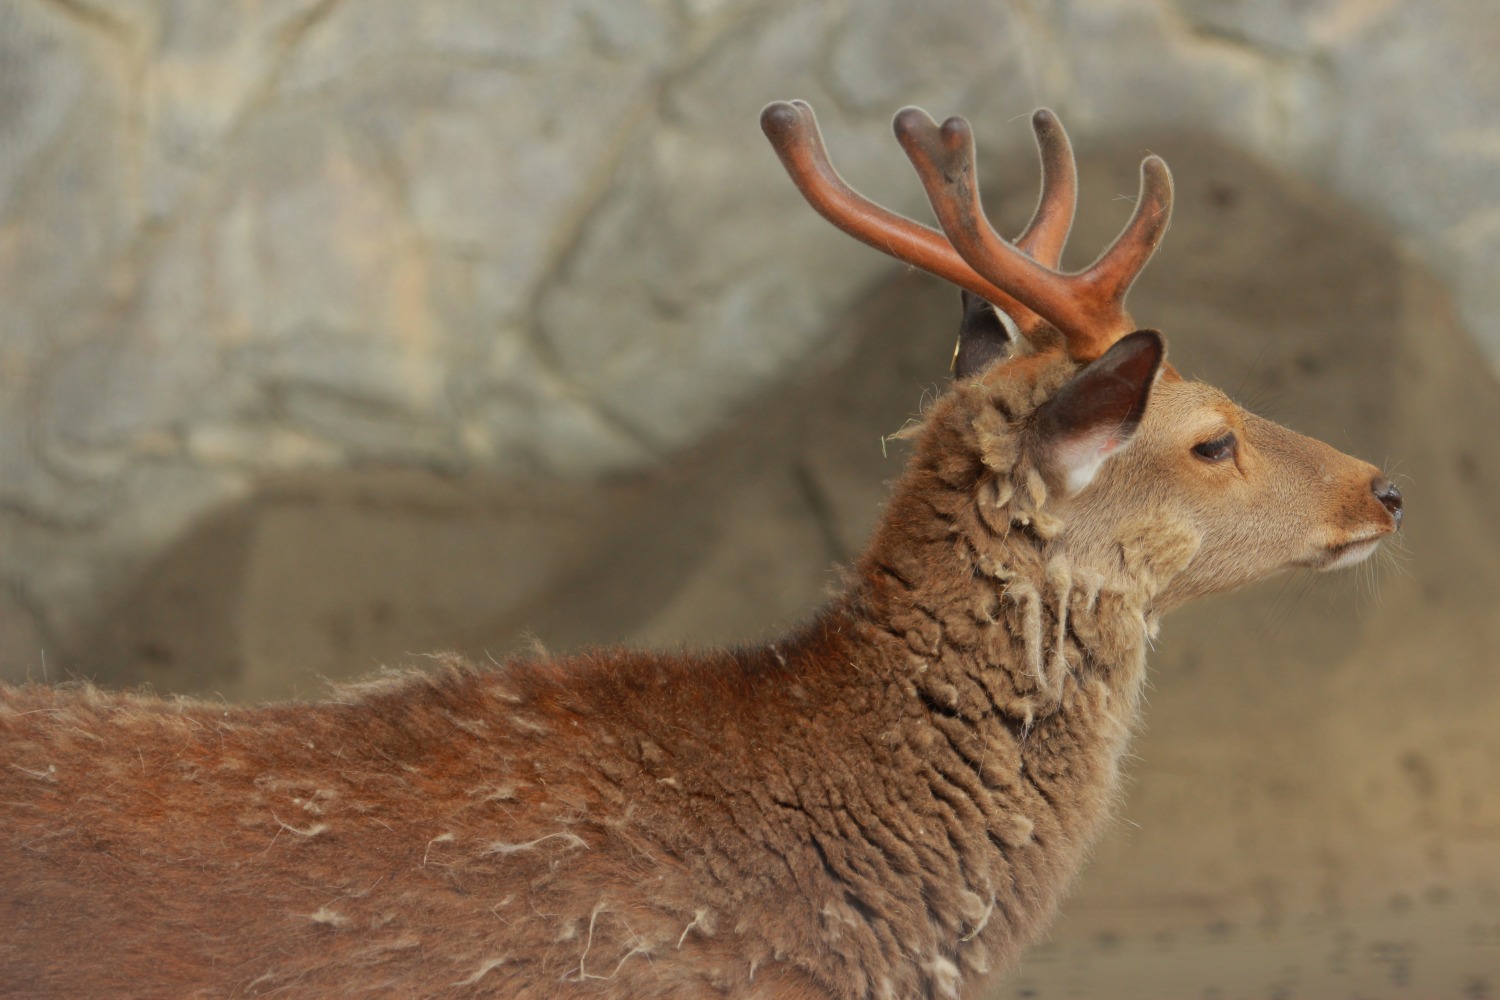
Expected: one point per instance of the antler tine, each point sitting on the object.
(1047, 232)
(1089, 307)
(944, 160)
(793, 132)
(1119, 265)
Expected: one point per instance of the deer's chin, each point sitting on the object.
(1344, 555)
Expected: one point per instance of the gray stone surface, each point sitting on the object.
(546, 241)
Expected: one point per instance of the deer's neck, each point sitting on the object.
(974, 576)
(1016, 676)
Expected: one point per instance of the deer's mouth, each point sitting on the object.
(1345, 554)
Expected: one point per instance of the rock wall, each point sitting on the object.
(545, 241)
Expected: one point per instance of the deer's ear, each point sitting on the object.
(983, 337)
(1094, 415)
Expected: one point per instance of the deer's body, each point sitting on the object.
(887, 803)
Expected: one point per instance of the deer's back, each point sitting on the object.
(741, 824)
(461, 832)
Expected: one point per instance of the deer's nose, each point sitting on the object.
(1390, 498)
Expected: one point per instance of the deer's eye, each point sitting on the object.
(1216, 450)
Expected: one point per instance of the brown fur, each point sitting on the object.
(888, 803)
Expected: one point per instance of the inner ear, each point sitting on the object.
(1096, 413)
(983, 337)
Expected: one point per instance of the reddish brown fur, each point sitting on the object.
(887, 803)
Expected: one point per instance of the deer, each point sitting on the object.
(889, 801)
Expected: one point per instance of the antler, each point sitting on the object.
(793, 132)
(1087, 307)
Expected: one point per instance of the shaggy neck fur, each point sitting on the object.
(1023, 664)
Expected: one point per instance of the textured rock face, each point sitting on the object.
(546, 240)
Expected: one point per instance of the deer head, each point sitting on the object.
(1122, 444)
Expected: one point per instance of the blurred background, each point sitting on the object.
(334, 333)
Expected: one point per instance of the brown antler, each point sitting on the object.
(794, 135)
(1088, 307)
(793, 132)
(1045, 234)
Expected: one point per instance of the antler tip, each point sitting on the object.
(1156, 180)
(1049, 131)
(948, 144)
(911, 120)
(1155, 166)
(957, 132)
(780, 119)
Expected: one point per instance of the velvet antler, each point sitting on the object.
(1088, 308)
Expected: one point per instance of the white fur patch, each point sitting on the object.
(500, 847)
(328, 917)
(1080, 458)
(484, 969)
(1356, 553)
(945, 975)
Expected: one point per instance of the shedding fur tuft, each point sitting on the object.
(568, 839)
